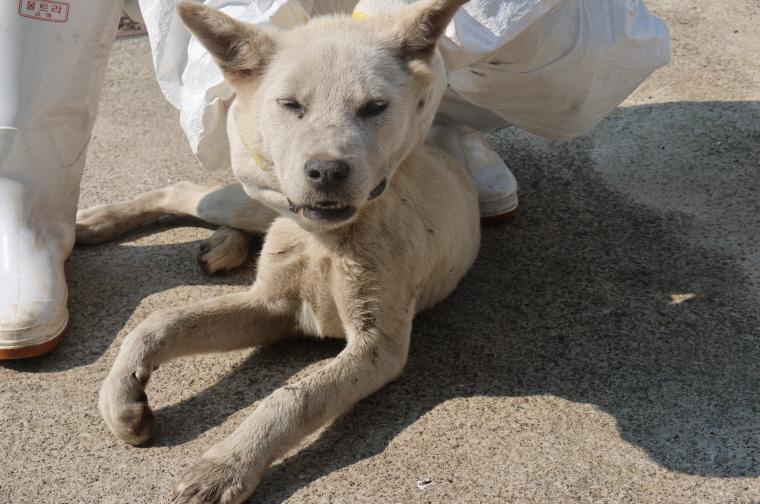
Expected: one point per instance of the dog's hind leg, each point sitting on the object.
(229, 322)
(224, 250)
(226, 206)
(241, 217)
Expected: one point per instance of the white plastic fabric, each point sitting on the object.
(552, 67)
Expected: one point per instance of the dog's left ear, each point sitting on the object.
(420, 26)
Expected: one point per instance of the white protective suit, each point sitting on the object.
(551, 67)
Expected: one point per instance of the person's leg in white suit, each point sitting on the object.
(53, 58)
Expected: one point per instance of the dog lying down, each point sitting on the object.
(366, 224)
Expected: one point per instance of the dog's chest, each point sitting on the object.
(312, 279)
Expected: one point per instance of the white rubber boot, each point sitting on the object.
(497, 187)
(53, 56)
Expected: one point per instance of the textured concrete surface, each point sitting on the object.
(604, 348)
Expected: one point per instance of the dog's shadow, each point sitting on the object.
(585, 295)
(591, 297)
(251, 380)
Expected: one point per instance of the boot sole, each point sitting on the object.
(33, 350)
(498, 219)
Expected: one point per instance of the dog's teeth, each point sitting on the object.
(330, 206)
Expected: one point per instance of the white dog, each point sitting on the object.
(366, 225)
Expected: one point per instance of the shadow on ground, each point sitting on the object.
(107, 283)
(573, 298)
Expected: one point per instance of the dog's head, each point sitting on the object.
(332, 107)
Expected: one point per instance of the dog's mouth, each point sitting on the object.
(333, 211)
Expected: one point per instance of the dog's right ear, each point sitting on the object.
(240, 49)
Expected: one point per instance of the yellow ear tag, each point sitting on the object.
(359, 15)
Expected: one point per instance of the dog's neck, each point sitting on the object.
(259, 182)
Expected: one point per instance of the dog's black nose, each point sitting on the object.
(325, 175)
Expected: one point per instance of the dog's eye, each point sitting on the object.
(293, 105)
(373, 108)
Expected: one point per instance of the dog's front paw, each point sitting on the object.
(212, 481)
(224, 250)
(124, 406)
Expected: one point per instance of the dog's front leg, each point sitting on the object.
(230, 470)
(224, 323)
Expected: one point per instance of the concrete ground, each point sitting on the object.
(605, 347)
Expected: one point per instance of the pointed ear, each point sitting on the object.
(240, 49)
(421, 25)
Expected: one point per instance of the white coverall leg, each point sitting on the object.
(53, 61)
